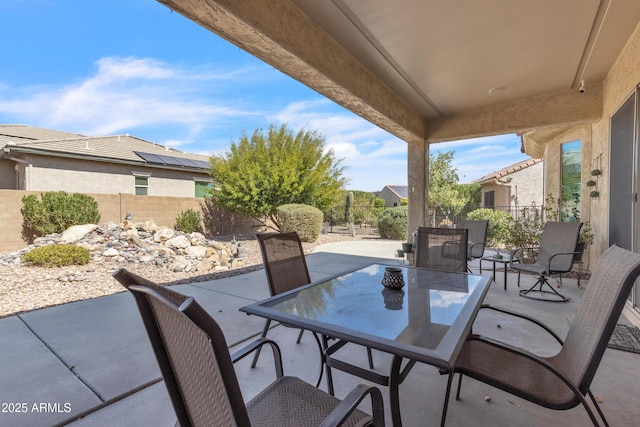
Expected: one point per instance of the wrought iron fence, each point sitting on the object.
(448, 217)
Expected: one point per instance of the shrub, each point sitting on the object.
(303, 219)
(499, 225)
(188, 221)
(57, 255)
(58, 210)
(393, 223)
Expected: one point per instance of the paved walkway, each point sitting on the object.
(89, 363)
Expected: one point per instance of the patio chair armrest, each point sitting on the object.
(473, 245)
(514, 252)
(525, 317)
(253, 346)
(558, 254)
(530, 356)
(351, 402)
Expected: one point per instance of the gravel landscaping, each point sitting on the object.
(25, 288)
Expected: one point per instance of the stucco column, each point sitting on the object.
(418, 183)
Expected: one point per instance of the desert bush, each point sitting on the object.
(303, 219)
(499, 225)
(392, 223)
(57, 255)
(56, 211)
(188, 221)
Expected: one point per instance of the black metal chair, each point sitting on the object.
(556, 255)
(561, 381)
(199, 374)
(477, 235)
(442, 248)
(286, 268)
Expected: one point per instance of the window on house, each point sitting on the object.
(489, 197)
(202, 188)
(571, 177)
(141, 184)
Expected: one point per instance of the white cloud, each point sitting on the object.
(125, 94)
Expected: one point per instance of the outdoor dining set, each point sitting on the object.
(418, 313)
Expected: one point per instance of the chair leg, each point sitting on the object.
(459, 387)
(264, 334)
(595, 403)
(446, 399)
(300, 336)
(542, 280)
(325, 346)
(370, 356)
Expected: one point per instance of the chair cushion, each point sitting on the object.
(290, 401)
(515, 373)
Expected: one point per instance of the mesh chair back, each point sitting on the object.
(601, 307)
(477, 237)
(558, 237)
(192, 354)
(442, 248)
(284, 261)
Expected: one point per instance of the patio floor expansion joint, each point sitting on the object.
(61, 359)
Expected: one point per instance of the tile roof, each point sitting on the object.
(401, 191)
(98, 148)
(508, 170)
(25, 133)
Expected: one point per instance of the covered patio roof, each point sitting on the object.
(436, 71)
(432, 71)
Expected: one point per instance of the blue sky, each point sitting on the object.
(103, 67)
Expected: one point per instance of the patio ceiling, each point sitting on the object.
(437, 70)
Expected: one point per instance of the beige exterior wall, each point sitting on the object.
(526, 184)
(113, 208)
(390, 198)
(620, 82)
(44, 173)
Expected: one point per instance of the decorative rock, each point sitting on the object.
(128, 225)
(91, 247)
(164, 251)
(163, 234)
(76, 232)
(111, 252)
(203, 266)
(178, 242)
(195, 251)
(149, 226)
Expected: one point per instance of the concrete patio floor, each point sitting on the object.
(89, 363)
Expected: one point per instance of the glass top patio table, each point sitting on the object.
(427, 320)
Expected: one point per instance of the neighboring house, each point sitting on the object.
(518, 185)
(392, 194)
(35, 159)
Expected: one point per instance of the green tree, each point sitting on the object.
(273, 168)
(447, 198)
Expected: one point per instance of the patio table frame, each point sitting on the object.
(420, 281)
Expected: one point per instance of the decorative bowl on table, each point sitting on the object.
(392, 278)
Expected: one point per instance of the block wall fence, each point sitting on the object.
(114, 207)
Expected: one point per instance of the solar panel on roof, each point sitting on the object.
(150, 158)
(160, 159)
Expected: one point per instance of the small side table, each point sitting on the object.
(504, 260)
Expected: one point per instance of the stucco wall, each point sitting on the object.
(620, 82)
(527, 184)
(390, 198)
(618, 85)
(113, 207)
(45, 173)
